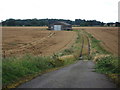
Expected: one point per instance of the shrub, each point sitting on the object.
(108, 65)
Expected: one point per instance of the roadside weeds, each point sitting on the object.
(106, 62)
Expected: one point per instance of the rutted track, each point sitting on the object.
(85, 46)
(107, 35)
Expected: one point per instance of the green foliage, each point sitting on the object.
(96, 44)
(46, 22)
(15, 68)
(69, 61)
(68, 51)
(56, 62)
(108, 65)
(88, 22)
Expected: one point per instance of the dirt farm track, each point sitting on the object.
(35, 40)
(107, 35)
(39, 41)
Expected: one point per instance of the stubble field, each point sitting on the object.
(34, 40)
(39, 41)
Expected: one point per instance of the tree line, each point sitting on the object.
(46, 22)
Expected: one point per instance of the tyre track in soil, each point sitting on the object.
(67, 42)
(30, 44)
(85, 46)
(108, 37)
(42, 46)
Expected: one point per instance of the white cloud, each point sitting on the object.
(102, 10)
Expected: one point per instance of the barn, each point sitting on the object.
(58, 26)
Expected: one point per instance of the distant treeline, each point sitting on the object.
(46, 22)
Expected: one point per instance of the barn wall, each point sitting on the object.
(57, 27)
(63, 27)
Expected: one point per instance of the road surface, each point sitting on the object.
(78, 75)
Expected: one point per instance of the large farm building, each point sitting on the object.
(58, 26)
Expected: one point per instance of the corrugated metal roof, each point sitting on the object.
(63, 23)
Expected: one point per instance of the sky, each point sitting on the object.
(100, 10)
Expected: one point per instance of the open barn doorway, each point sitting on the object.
(57, 27)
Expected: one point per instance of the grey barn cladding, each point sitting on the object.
(58, 26)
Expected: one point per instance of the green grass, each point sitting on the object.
(108, 65)
(96, 44)
(15, 68)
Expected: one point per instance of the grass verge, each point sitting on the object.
(106, 62)
(14, 68)
(19, 70)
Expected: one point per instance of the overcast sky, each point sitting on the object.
(101, 10)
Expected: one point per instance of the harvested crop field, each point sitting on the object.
(35, 40)
(108, 36)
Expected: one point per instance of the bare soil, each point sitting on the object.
(35, 40)
(108, 36)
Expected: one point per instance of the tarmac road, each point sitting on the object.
(78, 75)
